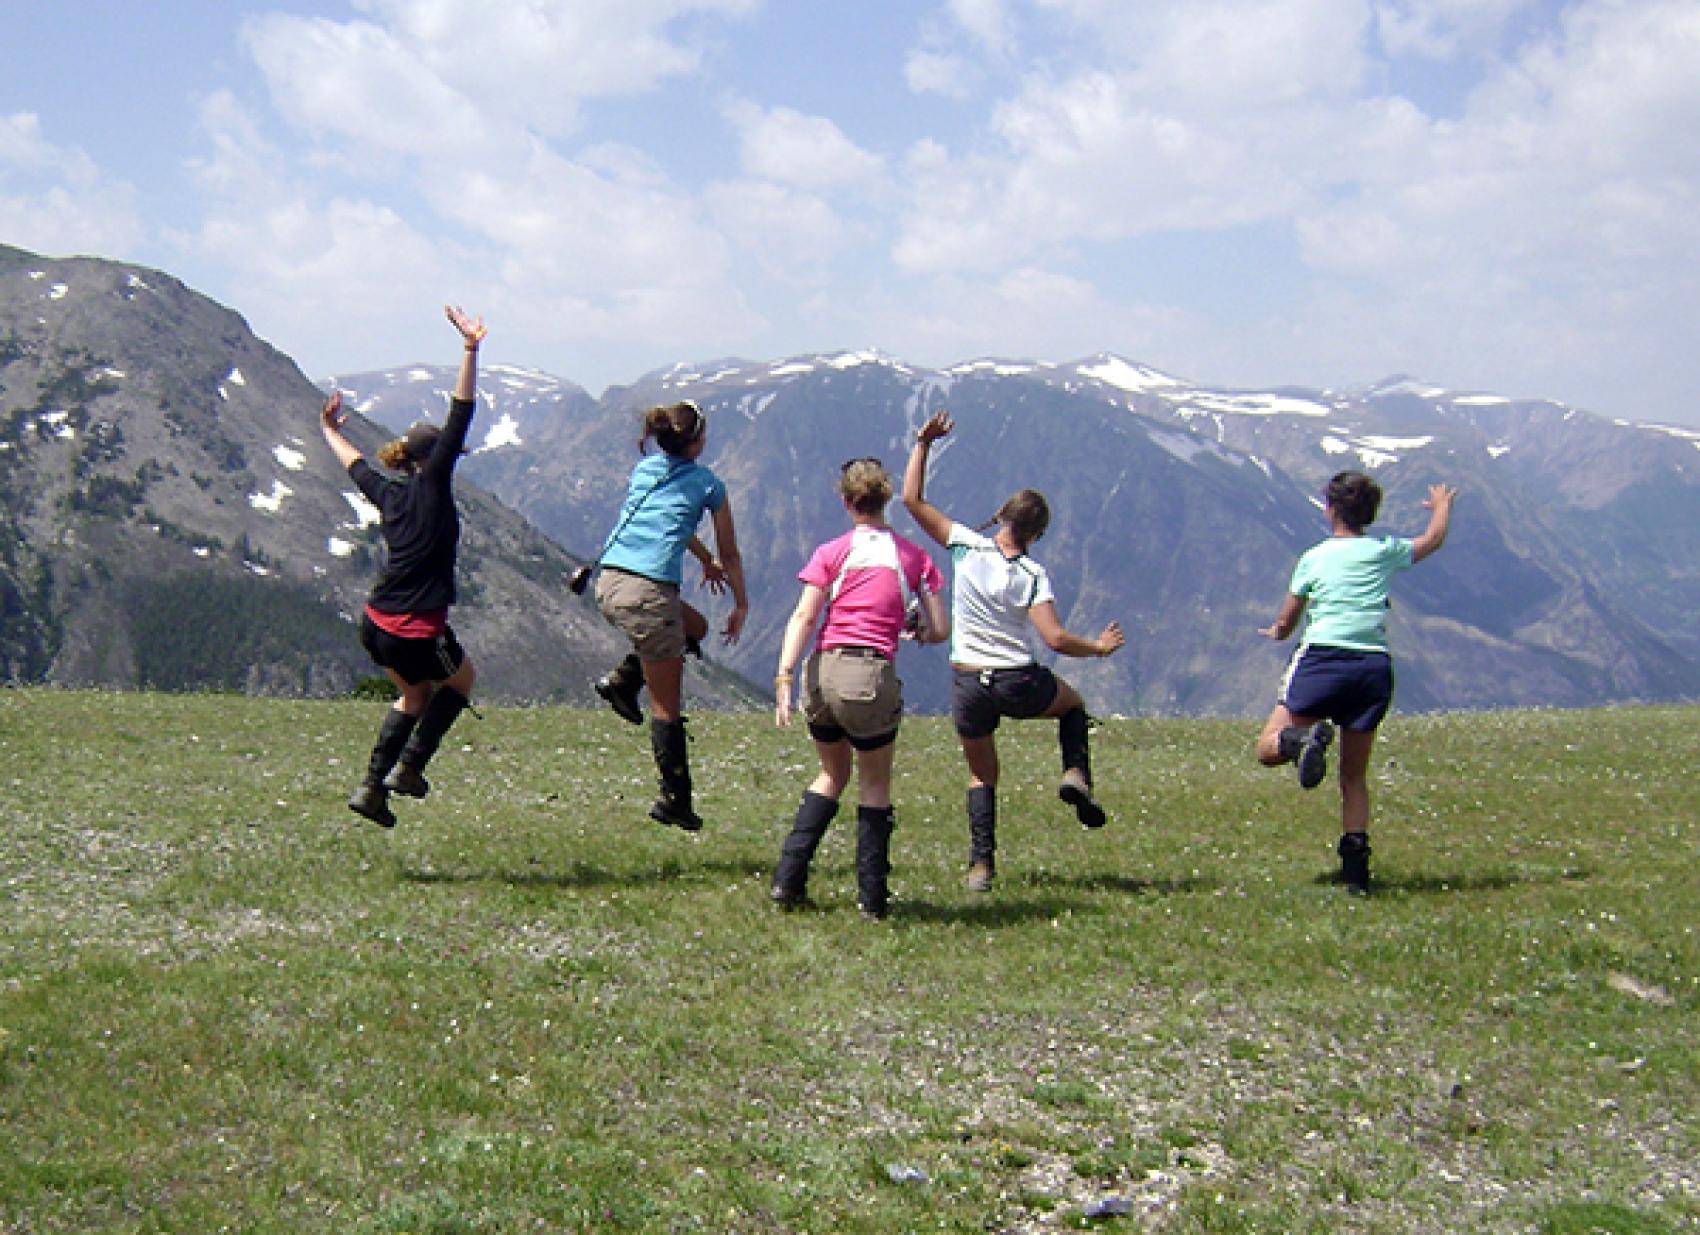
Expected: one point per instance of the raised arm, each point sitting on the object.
(331, 418)
(1439, 505)
(1065, 642)
(933, 521)
(732, 562)
(472, 332)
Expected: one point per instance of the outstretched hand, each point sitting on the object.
(734, 624)
(938, 425)
(1439, 496)
(472, 329)
(1112, 639)
(331, 414)
(714, 576)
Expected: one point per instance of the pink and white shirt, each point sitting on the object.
(869, 574)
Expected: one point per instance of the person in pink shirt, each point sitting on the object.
(867, 583)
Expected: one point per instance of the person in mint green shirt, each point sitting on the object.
(1342, 671)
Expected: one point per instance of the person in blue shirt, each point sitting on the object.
(638, 589)
(1342, 670)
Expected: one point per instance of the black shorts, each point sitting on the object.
(414, 660)
(1351, 688)
(980, 698)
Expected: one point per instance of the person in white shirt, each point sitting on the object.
(999, 597)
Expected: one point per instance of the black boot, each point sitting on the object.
(982, 837)
(673, 762)
(873, 859)
(372, 799)
(621, 686)
(1307, 747)
(790, 881)
(408, 775)
(1076, 786)
(1354, 862)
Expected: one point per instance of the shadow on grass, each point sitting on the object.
(991, 911)
(1127, 885)
(584, 875)
(1446, 885)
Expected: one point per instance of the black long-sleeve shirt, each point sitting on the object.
(421, 526)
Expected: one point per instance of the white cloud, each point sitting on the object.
(54, 200)
(1027, 313)
(927, 71)
(788, 147)
(987, 21)
(1205, 57)
(793, 234)
(361, 83)
(1445, 29)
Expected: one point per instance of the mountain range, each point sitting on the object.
(169, 517)
(1570, 578)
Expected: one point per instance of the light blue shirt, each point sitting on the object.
(1344, 581)
(664, 504)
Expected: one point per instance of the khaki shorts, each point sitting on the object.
(647, 612)
(852, 693)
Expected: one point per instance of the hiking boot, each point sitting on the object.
(1354, 863)
(373, 802)
(621, 694)
(786, 898)
(407, 782)
(1078, 793)
(675, 814)
(980, 876)
(1313, 757)
(874, 913)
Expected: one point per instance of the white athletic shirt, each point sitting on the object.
(989, 627)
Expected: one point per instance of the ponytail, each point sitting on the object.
(676, 427)
(1027, 514)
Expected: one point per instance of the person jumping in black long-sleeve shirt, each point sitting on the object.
(405, 627)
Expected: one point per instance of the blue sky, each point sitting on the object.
(1499, 195)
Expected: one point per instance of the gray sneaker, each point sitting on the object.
(1313, 755)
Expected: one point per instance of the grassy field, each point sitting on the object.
(227, 1004)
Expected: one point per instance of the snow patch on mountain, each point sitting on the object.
(505, 432)
(1135, 379)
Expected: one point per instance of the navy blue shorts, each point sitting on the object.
(1351, 688)
(415, 660)
(980, 698)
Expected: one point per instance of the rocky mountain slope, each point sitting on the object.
(1570, 579)
(171, 518)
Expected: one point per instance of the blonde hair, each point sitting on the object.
(865, 486)
(393, 455)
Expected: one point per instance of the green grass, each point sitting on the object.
(228, 1004)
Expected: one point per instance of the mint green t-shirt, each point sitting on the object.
(1344, 581)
